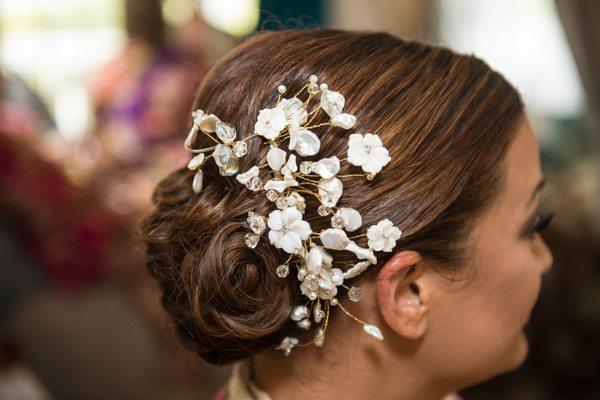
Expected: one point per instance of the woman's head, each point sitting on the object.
(449, 123)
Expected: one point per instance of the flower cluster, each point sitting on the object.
(289, 182)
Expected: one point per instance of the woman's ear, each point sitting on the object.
(401, 297)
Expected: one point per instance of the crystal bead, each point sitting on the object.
(319, 337)
(313, 88)
(304, 324)
(254, 184)
(222, 154)
(282, 271)
(251, 239)
(306, 167)
(337, 221)
(312, 282)
(257, 222)
(355, 293)
(225, 132)
(323, 211)
(272, 195)
(240, 148)
(231, 167)
(281, 202)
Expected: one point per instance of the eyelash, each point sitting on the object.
(541, 222)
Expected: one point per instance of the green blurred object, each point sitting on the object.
(278, 14)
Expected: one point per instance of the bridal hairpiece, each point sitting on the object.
(287, 187)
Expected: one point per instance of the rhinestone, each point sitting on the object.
(282, 271)
(337, 222)
(257, 222)
(251, 239)
(281, 202)
(323, 211)
(312, 282)
(254, 184)
(355, 293)
(225, 132)
(240, 148)
(305, 167)
(222, 154)
(231, 167)
(272, 195)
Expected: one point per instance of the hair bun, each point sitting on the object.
(224, 297)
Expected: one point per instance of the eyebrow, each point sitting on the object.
(537, 189)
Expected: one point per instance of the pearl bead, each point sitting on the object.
(281, 89)
(323, 86)
(313, 79)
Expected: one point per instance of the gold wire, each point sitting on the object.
(351, 315)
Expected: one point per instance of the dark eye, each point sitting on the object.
(541, 222)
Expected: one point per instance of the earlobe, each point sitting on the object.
(400, 297)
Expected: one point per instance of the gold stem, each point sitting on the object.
(360, 321)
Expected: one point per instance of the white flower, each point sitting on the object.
(270, 123)
(288, 230)
(294, 110)
(367, 152)
(383, 236)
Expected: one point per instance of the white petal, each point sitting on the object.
(330, 191)
(351, 217)
(275, 220)
(209, 123)
(301, 228)
(291, 214)
(327, 167)
(308, 144)
(291, 243)
(345, 121)
(373, 331)
(332, 102)
(276, 158)
(277, 185)
(196, 162)
(372, 165)
(338, 276)
(357, 155)
(191, 137)
(275, 238)
(299, 312)
(197, 183)
(248, 175)
(357, 269)
(335, 239)
(361, 252)
(314, 260)
(372, 140)
(290, 165)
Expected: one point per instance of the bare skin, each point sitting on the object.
(448, 334)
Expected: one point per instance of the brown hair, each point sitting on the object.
(446, 119)
(144, 21)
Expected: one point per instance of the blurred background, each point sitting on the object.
(95, 96)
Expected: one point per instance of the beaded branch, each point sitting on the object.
(290, 121)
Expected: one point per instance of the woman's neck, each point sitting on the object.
(356, 368)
